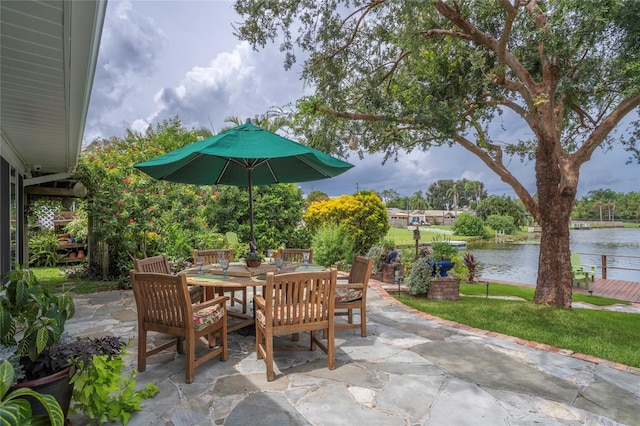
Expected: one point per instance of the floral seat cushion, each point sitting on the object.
(348, 294)
(207, 316)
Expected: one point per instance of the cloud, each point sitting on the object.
(130, 49)
(241, 83)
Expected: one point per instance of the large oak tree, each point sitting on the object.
(397, 75)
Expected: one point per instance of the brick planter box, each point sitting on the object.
(444, 288)
(389, 272)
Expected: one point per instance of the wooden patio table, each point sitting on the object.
(238, 276)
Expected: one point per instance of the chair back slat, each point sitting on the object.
(211, 256)
(295, 255)
(157, 264)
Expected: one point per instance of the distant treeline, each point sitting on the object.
(608, 205)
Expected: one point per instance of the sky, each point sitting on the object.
(161, 59)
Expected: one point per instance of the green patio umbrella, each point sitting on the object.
(245, 156)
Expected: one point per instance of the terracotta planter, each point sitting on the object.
(56, 384)
(252, 263)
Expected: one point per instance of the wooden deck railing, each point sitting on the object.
(604, 266)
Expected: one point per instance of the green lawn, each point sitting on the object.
(56, 277)
(604, 334)
(404, 237)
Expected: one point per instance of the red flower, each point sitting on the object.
(132, 220)
(127, 180)
(140, 190)
(120, 202)
(152, 208)
(117, 213)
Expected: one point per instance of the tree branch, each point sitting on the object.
(504, 38)
(503, 172)
(604, 129)
(365, 10)
(528, 88)
(356, 116)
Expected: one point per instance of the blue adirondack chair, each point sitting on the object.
(582, 273)
(231, 238)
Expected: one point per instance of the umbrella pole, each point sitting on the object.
(252, 238)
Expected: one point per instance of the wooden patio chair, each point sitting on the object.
(581, 272)
(160, 265)
(164, 306)
(292, 303)
(294, 255)
(211, 258)
(353, 295)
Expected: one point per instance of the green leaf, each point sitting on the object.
(6, 377)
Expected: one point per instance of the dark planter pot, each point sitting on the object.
(442, 266)
(253, 263)
(56, 384)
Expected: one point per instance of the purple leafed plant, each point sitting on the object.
(471, 263)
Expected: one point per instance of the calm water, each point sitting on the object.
(519, 262)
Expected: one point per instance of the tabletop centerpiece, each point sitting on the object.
(253, 258)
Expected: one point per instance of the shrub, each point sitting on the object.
(363, 214)
(43, 249)
(499, 222)
(79, 225)
(332, 244)
(419, 280)
(469, 225)
(300, 237)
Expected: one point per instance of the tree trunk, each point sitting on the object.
(556, 196)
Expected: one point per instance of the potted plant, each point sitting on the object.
(442, 254)
(32, 320)
(16, 409)
(78, 227)
(252, 258)
(47, 361)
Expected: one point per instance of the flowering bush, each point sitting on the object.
(363, 215)
(139, 216)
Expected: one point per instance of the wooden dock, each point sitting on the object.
(615, 289)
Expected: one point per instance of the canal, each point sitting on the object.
(519, 262)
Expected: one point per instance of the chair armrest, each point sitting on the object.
(259, 301)
(217, 301)
(350, 285)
